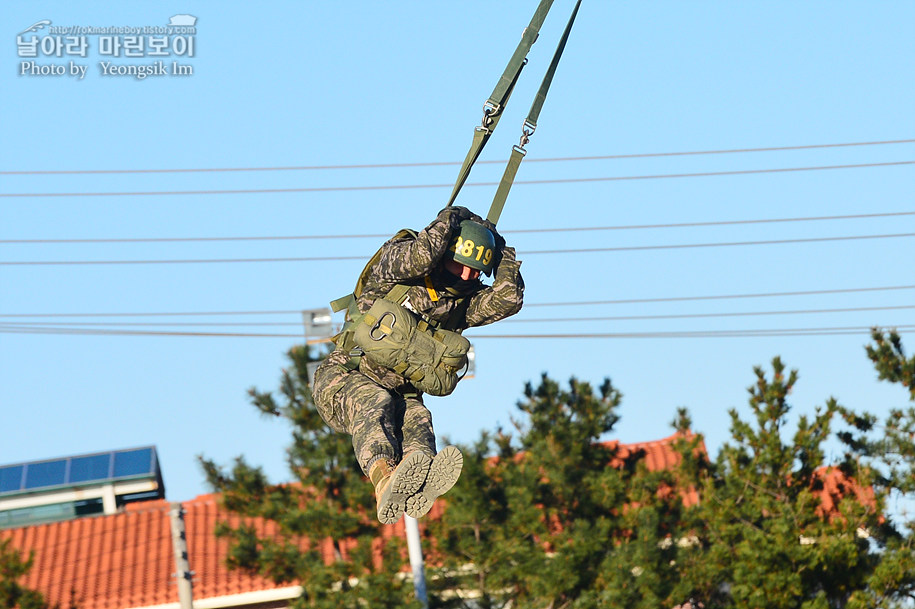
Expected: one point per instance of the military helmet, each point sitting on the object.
(474, 246)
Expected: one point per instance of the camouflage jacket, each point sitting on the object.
(410, 261)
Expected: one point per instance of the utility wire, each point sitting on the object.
(779, 332)
(715, 297)
(176, 314)
(526, 305)
(505, 321)
(448, 163)
(632, 248)
(162, 193)
(756, 333)
(505, 232)
(707, 315)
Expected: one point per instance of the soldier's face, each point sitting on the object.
(464, 272)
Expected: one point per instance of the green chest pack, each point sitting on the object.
(390, 335)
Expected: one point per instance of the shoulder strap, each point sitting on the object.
(492, 109)
(349, 301)
(528, 127)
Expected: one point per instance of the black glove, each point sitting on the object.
(453, 215)
(500, 240)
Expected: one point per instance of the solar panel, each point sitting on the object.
(11, 478)
(93, 467)
(80, 470)
(133, 462)
(49, 473)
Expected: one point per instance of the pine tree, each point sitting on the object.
(12, 567)
(890, 361)
(329, 499)
(888, 451)
(553, 517)
(765, 537)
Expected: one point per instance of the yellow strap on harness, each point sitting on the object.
(431, 289)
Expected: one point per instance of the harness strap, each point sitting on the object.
(433, 295)
(528, 127)
(492, 109)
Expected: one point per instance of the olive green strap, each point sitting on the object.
(534, 112)
(528, 127)
(494, 106)
(508, 178)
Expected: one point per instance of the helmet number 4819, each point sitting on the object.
(465, 248)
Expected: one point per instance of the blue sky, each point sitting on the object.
(307, 84)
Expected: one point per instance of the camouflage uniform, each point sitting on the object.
(381, 410)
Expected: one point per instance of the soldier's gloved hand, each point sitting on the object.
(500, 240)
(453, 215)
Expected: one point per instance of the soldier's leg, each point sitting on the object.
(349, 402)
(416, 425)
(370, 417)
(445, 470)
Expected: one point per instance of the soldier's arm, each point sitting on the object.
(410, 258)
(504, 298)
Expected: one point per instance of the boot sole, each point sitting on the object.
(443, 474)
(406, 480)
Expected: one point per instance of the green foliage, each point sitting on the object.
(544, 518)
(547, 514)
(329, 502)
(888, 450)
(890, 361)
(12, 567)
(763, 537)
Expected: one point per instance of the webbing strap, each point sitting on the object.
(498, 202)
(492, 109)
(528, 127)
(534, 112)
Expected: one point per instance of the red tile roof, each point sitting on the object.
(660, 455)
(836, 486)
(126, 559)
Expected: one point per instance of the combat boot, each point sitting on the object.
(444, 472)
(394, 484)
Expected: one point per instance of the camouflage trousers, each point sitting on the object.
(382, 422)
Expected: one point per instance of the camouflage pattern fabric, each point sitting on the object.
(383, 423)
(369, 403)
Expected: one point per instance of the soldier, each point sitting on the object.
(402, 338)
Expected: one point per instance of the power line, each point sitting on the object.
(763, 333)
(716, 297)
(506, 232)
(448, 163)
(708, 315)
(526, 305)
(632, 248)
(510, 320)
(6, 329)
(754, 333)
(177, 314)
(162, 193)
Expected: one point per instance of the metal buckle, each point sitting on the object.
(527, 130)
(490, 108)
(378, 325)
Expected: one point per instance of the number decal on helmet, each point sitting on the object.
(469, 253)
